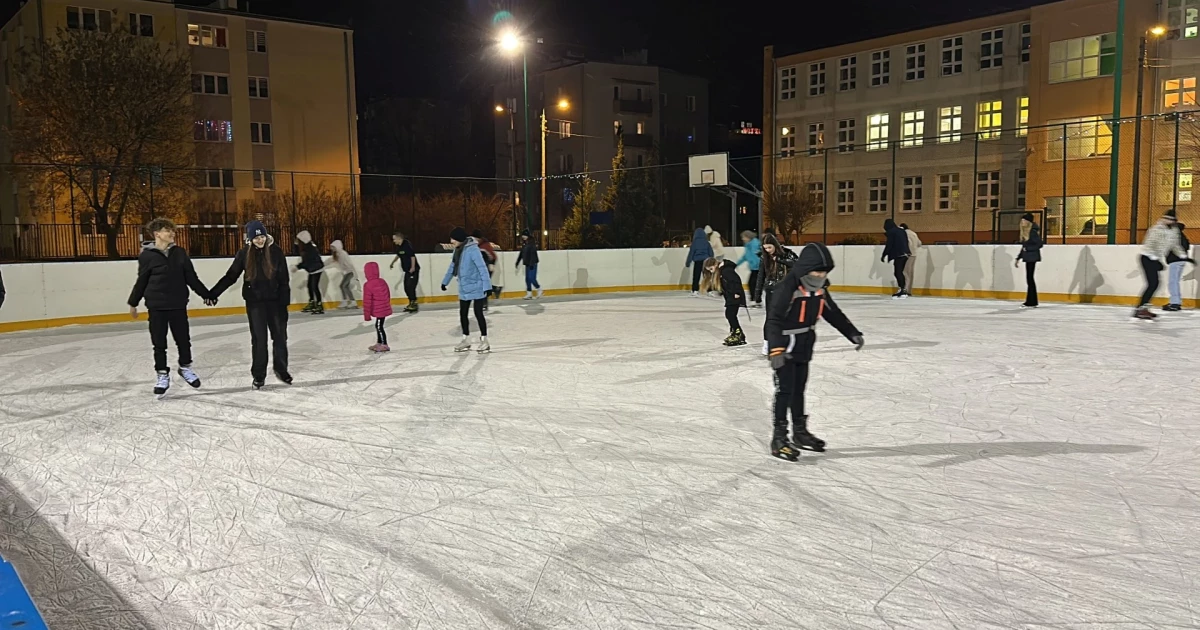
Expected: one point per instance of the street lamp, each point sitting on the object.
(563, 105)
(510, 42)
(1157, 31)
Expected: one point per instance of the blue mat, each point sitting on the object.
(16, 608)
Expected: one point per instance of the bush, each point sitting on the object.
(860, 239)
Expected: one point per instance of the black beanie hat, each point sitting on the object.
(1028, 216)
(525, 233)
(458, 234)
(1170, 214)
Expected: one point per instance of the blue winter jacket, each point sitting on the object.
(701, 250)
(474, 282)
(752, 254)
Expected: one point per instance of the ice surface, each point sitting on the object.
(606, 467)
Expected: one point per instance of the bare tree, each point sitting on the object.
(110, 111)
(791, 205)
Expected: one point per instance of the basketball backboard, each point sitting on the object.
(711, 169)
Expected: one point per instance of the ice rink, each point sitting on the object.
(606, 467)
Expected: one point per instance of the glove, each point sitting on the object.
(883, 258)
(779, 358)
(443, 287)
(858, 342)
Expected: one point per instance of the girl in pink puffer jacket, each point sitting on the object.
(377, 303)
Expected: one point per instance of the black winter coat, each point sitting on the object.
(1171, 257)
(277, 289)
(897, 242)
(1, 290)
(731, 285)
(1031, 248)
(164, 278)
(529, 254)
(310, 258)
(774, 269)
(790, 321)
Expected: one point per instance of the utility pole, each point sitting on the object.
(1115, 166)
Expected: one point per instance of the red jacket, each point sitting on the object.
(487, 247)
(377, 297)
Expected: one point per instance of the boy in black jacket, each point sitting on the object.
(310, 261)
(895, 250)
(164, 275)
(800, 300)
(722, 276)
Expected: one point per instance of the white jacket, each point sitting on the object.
(914, 242)
(714, 240)
(340, 258)
(1160, 241)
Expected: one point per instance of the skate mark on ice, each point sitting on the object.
(301, 384)
(898, 345)
(695, 370)
(961, 453)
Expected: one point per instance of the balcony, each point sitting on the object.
(633, 106)
(638, 140)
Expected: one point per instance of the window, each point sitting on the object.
(787, 84)
(952, 56)
(846, 135)
(877, 132)
(564, 129)
(991, 49)
(1023, 116)
(912, 128)
(213, 131)
(691, 103)
(616, 127)
(260, 88)
(877, 195)
(1026, 41)
(616, 92)
(950, 124)
(912, 194)
(638, 95)
(141, 24)
(947, 192)
(216, 178)
(787, 142)
(845, 197)
(260, 133)
(1086, 137)
(88, 19)
(210, 84)
(1087, 215)
(207, 36)
(1020, 188)
(816, 79)
(990, 118)
(816, 191)
(641, 160)
(1083, 58)
(264, 180)
(987, 191)
(1169, 187)
(1183, 18)
(881, 67)
(1179, 92)
(662, 99)
(641, 128)
(847, 74)
(914, 62)
(816, 137)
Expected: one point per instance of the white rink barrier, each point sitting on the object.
(42, 295)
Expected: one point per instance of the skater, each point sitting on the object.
(1031, 254)
(165, 273)
(529, 256)
(267, 292)
(910, 264)
(721, 276)
(1, 290)
(489, 257)
(699, 252)
(1175, 274)
(800, 300)
(340, 259)
(714, 241)
(777, 263)
(473, 286)
(377, 303)
(1161, 240)
(752, 256)
(896, 251)
(412, 270)
(310, 261)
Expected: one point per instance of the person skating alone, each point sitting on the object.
(407, 256)
(468, 266)
(699, 252)
(1175, 266)
(715, 242)
(1161, 240)
(165, 273)
(341, 260)
(377, 304)
(267, 291)
(721, 276)
(752, 257)
(800, 300)
(777, 262)
(1031, 255)
(529, 256)
(895, 251)
(310, 261)
(910, 264)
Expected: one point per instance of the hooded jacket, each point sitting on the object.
(896, 246)
(474, 281)
(1031, 248)
(752, 254)
(714, 241)
(1171, 258)
(1161, 241)
(529, 253)
(310, 256)
(340, 258)
(731, 284)
(276, 289)
(790, 322)
(775, 267)
(164, 278)
(377, 297)
(701, 250)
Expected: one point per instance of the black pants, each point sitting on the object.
(790, 382)
(1031, 298)
(463, 312)
(380, 333)
(410, 284)
(697, 269)
(898, 268)
(267, 317)
(177, 322)
(1151, 268)
(731, 316)
(755, 291)
(314, 288)
(768, 295)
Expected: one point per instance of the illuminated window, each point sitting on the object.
(912, 128)
(1023, 116)
(948, 192)
(877, 195)
(847, 74)
(950, 124)
(881, 67)
(816, 137)
(213, 131)
(991, 49)
(845, 197)
(1183, 17)
(816, 79)
(877, 132)
(787, 142)
(914, 62)
(990, 120)
(1179, 92)
(564, 129)
(1086, 137)
(987, 191)
(787, 83)
(952, 56)
(1083, 58)
(1087, 215)
(207, 36)
(912, 194)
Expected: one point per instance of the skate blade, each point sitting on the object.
(791, 457)
(488, 351)
(160, 396)
(814, 449)
(463, 350)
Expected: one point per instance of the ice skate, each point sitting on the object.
(189, 376)
(464, 345)
(1172, 308)
(374, 348)
(528, 295)
(162, 384)
(258, 384)
(318, 309)
(540, 292)
(412, 307)
(382, 347)
(1144, 313)
(308, 307)
(783, 449)
(283, 377)
(484, 346)
(803, 439)
(695, 294)
(736, 338)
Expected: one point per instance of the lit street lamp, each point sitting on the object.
(510, 42)
(1157, 31)
(563, 105)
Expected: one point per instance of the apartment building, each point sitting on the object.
(273, 96)
(958, 128)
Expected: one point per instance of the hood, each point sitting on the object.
(371, 271)
(304, 237)
(714, 235)
(814, 257)
(889, 225)
(699, 235)
(150, 244)
(708, 229)
(336, 246)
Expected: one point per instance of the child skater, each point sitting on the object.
(721, 276)
(310, 261)
(377, 303)
(340, 259)
(165, 273)
(799, 301)
(474, 283)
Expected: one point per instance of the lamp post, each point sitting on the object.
(510, 42)
(1157, 31)
(1115, 162)
(563, 105)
